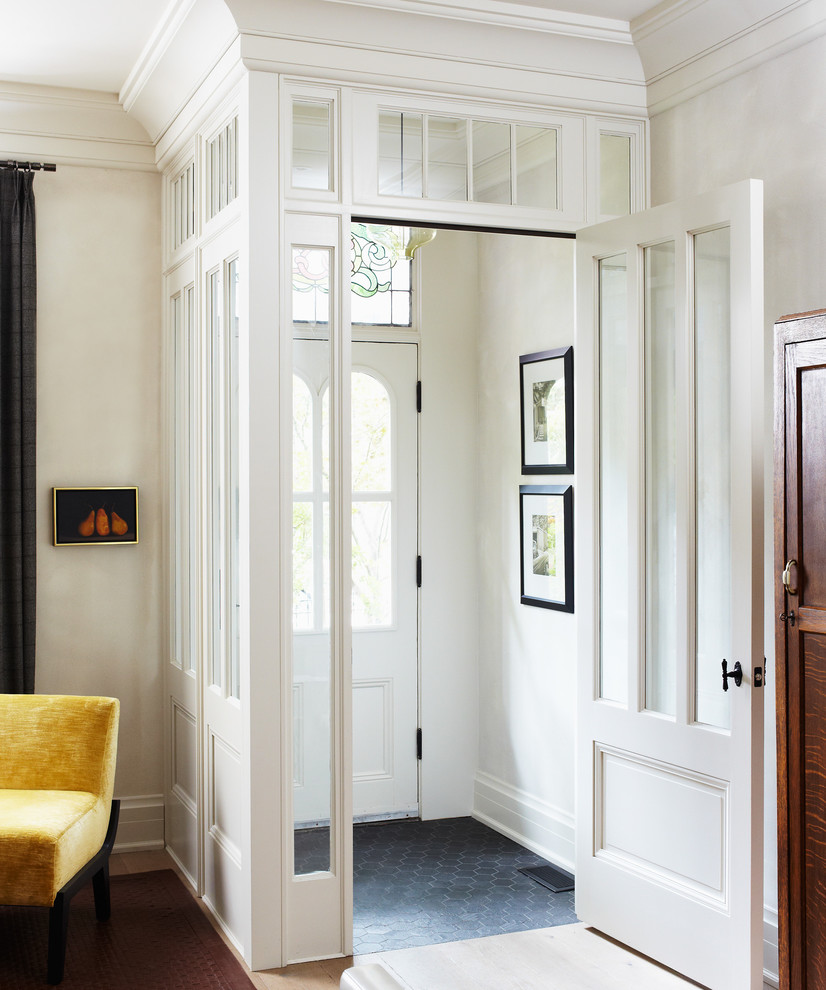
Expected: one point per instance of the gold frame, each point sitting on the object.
(71, 500)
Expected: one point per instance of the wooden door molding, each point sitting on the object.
(800, 343)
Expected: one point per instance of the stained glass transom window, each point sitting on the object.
(380, 277)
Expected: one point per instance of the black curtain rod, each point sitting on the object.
(30, 166)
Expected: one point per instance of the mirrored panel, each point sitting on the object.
(536, 171)
(234, 535)
(400, 153)
(312, 645)
(311, 285)
(614, 174)
(712, 344)
(447, 158)
(491, 162)
(613, 479)
(217, 479)
(312, 143)
(660, 480)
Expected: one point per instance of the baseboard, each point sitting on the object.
(141, 824)
(771, 965)
(528, 820)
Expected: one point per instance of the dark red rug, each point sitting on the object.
(156, 939)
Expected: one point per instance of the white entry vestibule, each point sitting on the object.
(268, 160)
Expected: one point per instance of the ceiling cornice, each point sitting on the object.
(689, 46)
(71, 127)
(154, 49)
(514, 15)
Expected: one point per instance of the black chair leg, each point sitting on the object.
(98, 869)
(58, 928)
(100, 885)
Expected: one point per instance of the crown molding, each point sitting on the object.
(71, 127)
(507, 14)
(399, 69)
(153, 51)
(689, 46)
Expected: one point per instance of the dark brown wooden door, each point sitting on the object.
(800, 599)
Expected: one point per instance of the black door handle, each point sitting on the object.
(737, 674)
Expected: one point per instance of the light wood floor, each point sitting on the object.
(571, 957)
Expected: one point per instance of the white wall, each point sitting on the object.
(99, 362)
(450, 445)
(527, 655)
(766, 124)
(498, 677)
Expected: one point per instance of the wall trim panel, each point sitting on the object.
(528, 820)
(141, 824)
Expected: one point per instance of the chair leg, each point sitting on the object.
(58, 929)
(98, 869)
(100, 885)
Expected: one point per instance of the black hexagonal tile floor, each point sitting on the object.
(419, 883)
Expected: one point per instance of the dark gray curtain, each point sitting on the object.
(18, 305)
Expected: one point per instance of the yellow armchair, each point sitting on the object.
(57, 817)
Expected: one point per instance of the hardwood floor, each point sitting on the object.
(570, 957)
(323, 975)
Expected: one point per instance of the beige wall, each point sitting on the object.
(766, 124)
(99, 402)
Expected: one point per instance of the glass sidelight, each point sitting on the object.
(311, 579)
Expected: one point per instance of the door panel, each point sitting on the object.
(800, 596)
(669, 535)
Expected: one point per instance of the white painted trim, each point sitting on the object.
(71, 127)
(771, 962)
(514, 15)
(548, 84)
(141, 824)
(539, 826)
(153, 51)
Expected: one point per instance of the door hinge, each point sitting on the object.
(418, 396)
(418, 744)
(418, 572)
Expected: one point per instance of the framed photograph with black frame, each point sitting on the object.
(546, 390)
(546, 522)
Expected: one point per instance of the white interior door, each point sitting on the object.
(670, 584)
(384, 529)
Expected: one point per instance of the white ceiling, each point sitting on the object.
(93, 44)
(86, 44)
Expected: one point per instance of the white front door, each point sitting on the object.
(384, 596)
(385, 535)
(670, 584)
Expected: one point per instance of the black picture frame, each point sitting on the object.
(547, 564)
(546, 403)
(78, 515)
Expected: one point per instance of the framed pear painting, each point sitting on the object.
(94, 516)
